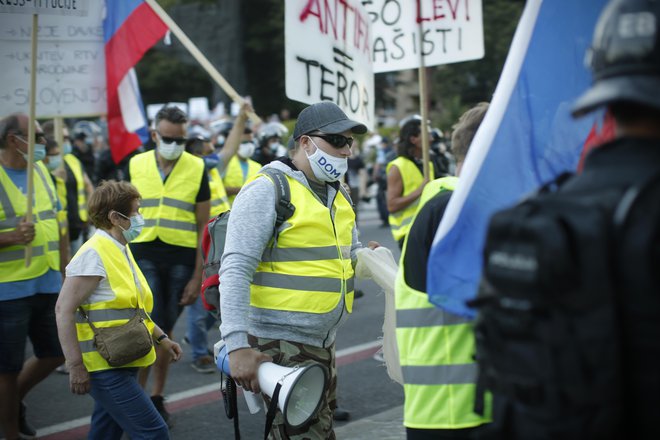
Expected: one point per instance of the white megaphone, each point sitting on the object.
(301, 391)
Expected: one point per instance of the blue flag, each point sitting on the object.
(528, 137)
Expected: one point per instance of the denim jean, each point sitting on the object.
(121, 405)
(167, 282)
(199, 323)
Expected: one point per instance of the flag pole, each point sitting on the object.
(31, 135)
(199, 56)
(423, 101)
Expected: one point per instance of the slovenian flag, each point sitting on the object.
(130, 28)
(528, 137)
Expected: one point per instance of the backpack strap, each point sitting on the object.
(284, 209)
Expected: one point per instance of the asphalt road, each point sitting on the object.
(194, 399)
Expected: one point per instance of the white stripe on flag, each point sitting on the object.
(129, 102)
(485, 135)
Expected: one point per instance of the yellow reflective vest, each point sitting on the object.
(412, 179)
(169, 208)
(77, 169)
(233, 176)
(309, 267)
(219, 200)
(46, 243)
(60, 187)
(436, 350)
(121, 272)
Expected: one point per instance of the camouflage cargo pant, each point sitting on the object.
(290, 354)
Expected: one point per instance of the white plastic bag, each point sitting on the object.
(379, 265)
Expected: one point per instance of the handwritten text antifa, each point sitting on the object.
(339, 80)
(441, 21)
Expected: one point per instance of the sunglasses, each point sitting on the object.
(169, 140)
(336, 140)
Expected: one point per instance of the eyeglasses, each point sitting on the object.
(37, 136)
(169, 140)
(336, 140)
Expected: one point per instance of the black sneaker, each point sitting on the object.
(159, 403)
(341, 415)
(24, 429)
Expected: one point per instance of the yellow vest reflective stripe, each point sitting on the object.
(219, 200)
(168, 209)
(436, 350)
(120, 275)
(46, 243)
(76, 167)
(60, 188)
(234, 174)
(309, 269)
(412, 178)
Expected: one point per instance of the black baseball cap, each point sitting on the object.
(327, 117)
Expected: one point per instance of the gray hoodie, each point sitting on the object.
(249, 231)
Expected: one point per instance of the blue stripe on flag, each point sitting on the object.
(527, 137)
(117, 14)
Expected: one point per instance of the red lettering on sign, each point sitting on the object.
(439, 9)
(307, 11)
(334, 16)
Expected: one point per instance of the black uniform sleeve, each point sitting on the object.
(420, 238)
(204, 193)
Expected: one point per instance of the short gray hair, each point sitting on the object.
(8, 125)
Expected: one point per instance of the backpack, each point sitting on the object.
(213, 239)
(549, 333)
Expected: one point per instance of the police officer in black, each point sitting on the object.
(617, 364)
(625, 60)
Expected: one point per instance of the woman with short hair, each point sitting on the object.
(104, 284)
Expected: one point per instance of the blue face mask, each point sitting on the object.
(39, 151)
(211, 161)
(54, 162)
(66, 148)
(137, 222)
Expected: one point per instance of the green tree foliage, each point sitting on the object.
(264, 56)
(457, 87)
(165, 79)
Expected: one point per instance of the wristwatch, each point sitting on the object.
(161, 337)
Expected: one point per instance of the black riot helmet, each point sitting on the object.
(625, 56)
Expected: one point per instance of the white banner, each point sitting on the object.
(328, 55)
(453, 32)
(70, 64)
(50, 7)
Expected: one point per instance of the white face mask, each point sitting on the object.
(246, 150)
(170, 151)
(327, 168)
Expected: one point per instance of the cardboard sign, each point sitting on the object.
(328, 55)
(78, 8)
(70, 64)
(453, 32)
(198, 108)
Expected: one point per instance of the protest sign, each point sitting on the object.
(328, 55)
(453, 32)
(48, 7)
(198, 108)
(70, 63)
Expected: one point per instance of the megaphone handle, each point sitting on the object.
(272, 409)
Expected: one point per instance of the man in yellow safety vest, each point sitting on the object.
(436, 348)
(27, 292)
